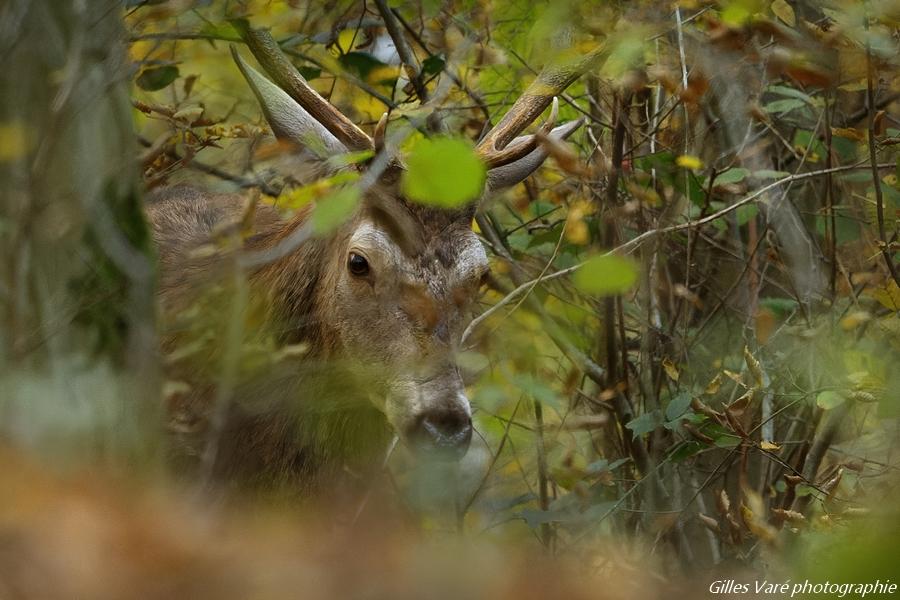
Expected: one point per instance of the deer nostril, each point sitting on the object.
(446, 432)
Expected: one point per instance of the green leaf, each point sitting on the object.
(360, 63)
(770, 174)
(745, 213)
(535, 388)
(782, 106)
(734, 175)
(789, 92)
(782, 307)
(157, 78)
(443, 172)
(685, 451)
(829, 399)
(678, 406)
(727, 441)
(645, 423)
(334, 210)
(309, 73)
(606, 275)
(433, 64)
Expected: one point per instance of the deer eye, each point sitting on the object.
(357, 265)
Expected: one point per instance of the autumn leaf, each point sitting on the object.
(723, 503)
(713, 386)
(789, 515)
(671, 369)
(689, 162)
(754, 367)
(13, 141)
(709, 522)
(784, 11)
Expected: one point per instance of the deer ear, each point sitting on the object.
(510, 174)
(289, 121)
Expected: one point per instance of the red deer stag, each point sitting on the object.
(376, 305)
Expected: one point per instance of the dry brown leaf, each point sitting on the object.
(702, 408)
(713, 386)
(765, 325)
(737, 408)
(758, 526)
(697, 434)
(709, 523)
(789, 515)
(850, 133)
(671, 369)
(735, 377)
(754, 367)
(722, 502)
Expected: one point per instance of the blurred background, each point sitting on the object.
(683, 366)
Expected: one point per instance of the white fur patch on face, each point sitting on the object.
(376, 245)
(470, 263)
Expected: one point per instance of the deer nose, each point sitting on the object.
(445, 433)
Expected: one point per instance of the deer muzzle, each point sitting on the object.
(432, 415)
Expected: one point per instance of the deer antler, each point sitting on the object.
(541, 93)
(276, 64)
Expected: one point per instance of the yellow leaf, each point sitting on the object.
(770, 446)
(849, 133)
(735, 377)
(714, 385)
(888, 296)
(752, 513)
(671, 369)
(383, 74)
(577, 232)
(754, 367)
(854, 320)
(13, 141)
(784, 11)
(689, 162)
(346, 38)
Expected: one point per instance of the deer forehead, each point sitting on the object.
(456, 255)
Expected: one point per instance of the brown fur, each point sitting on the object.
(302, 420)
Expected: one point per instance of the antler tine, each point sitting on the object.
(272, 59)
(541, 93)
(380, 131)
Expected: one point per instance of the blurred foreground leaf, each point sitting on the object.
(443, 172)
(606, 275)
(157, 78)
(334, 210)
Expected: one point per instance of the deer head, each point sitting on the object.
(399, 278)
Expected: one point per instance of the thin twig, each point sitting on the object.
(876, 180)
(407, 57)
(633, 243)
